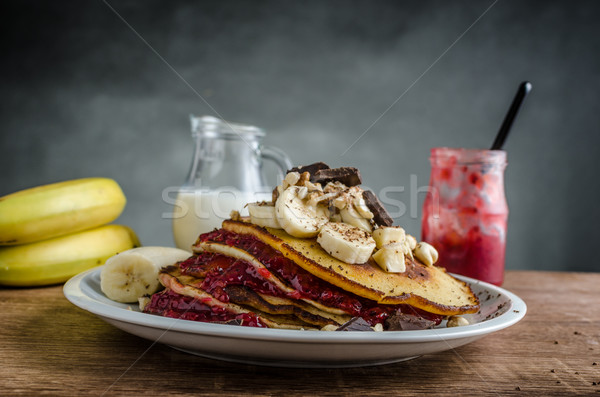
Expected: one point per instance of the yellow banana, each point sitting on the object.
(56, 260)
(57, 209)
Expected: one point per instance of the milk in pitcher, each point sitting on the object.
(197, 212)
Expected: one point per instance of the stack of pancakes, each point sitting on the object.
(249, 275)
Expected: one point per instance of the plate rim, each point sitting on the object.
(73, 291)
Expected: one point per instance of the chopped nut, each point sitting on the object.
(426, 253)
(304, 177)
(235, 215)
(290, 179)
(143, 302)
(412, 242)
(334, 187)
(313, 186)
(378, 327)
(457, 321)
(329, 327)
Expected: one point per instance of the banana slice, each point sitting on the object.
(391, 258)
(362, 209)
(298, 218)
(346, 243)
(351, 216)
(263, 214)
(134, 273)
(388, 235)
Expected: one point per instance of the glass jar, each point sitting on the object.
(226, 173)
(465, 212)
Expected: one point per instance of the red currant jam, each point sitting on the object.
(220, 271)
(307, 286)
(171, 304)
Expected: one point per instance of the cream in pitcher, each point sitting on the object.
(226, 173)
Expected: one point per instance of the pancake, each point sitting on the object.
(220, 280)
(178, 285)
(428, 288)
(240, 254)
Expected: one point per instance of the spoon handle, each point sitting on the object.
(523, 90)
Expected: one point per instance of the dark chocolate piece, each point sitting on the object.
(405, 322)
(381, 216)
(355, 324)
(311, 168)
(349, 176)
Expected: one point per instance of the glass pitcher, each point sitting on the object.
(226, 174)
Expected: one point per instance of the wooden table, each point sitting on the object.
(47, 345)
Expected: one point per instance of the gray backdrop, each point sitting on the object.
(82, 95)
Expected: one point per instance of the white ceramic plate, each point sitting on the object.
(291, 348)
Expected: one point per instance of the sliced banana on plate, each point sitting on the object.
(263, 214)
(351, 216)
(131, 274)
(391, 258)
(298, 218)
(346, 243)
(389, 234)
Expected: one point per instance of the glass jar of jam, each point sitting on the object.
(465, 212)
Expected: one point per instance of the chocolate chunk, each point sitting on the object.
(235, 321)
(355, 324)
(381, 216)
(349, 176)
(405, 322)
(311, 168)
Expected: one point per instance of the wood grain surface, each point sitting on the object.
(48, 346)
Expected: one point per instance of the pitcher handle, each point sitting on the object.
(279, 157)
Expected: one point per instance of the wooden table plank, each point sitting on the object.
(49, 346)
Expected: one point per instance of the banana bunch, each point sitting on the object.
(56, 260)
(52, 232)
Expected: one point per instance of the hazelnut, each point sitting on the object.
(426, 253)
(457, 321)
